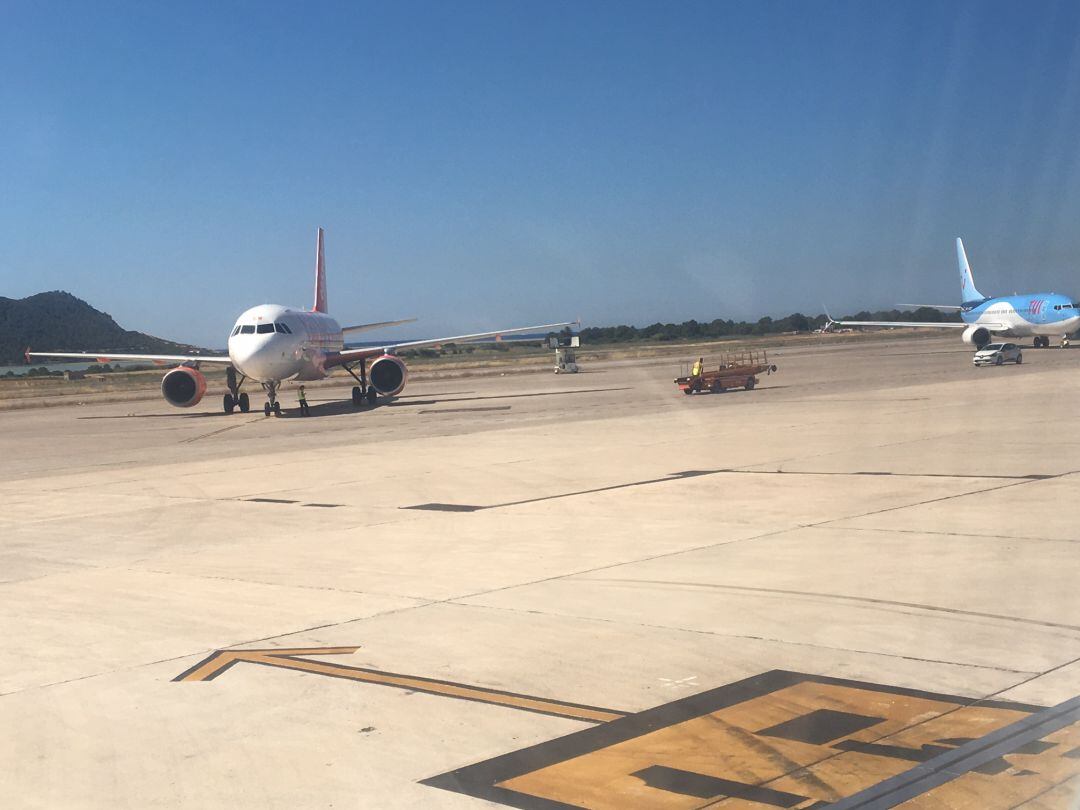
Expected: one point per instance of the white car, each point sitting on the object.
(994, 354)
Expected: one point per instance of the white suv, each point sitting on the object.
(994, 354)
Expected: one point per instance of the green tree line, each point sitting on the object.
(720, 328)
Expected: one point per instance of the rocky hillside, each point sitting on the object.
(59, 321)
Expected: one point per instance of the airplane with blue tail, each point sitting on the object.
(1039, 315)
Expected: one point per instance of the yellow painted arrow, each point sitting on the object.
(222, 660)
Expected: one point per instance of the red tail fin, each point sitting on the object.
(320, 276)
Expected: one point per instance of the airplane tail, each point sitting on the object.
(320, 276)
(968, 291)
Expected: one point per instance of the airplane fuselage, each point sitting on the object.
(1025, 315)
(271, 343)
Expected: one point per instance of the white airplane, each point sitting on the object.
(1036, 315)
(271, 343)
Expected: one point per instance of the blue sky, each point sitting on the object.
(491, 164)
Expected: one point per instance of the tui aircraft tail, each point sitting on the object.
(968, 291)
(320, 276)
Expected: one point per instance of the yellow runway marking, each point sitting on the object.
(222, 660)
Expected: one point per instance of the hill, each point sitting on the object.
(58, 321)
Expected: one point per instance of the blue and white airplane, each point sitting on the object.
(1038, 315)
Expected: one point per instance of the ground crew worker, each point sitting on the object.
(1065, 342)
(697, 367)
(304, 409)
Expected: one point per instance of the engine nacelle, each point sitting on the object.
(977, 336)
(388, 375)
(183, 386)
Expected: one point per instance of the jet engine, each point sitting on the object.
(183, 386)
(977, 336)
(388, 375)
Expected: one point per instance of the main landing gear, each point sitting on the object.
(234, 399)
(1043, 342)
(363, 391)
(271, 405)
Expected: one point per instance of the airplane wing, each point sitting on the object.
(910, 324)
(104, 357)
(922, 324)
(350, 355)
(364, 327)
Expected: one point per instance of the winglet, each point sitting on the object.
(26, 356)
(320, 276)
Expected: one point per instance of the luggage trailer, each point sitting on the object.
(736, 370)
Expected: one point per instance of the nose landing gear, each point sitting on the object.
(271, 405)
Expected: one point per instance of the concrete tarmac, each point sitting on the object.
(553, 591)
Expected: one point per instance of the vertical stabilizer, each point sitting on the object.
(968, 292)
(320, 276)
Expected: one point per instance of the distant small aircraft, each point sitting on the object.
(270, 343)
(1038, 315)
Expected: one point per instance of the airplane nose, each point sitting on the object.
(265, 359)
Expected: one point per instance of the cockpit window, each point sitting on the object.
(264, 328)
(235, 331)
(283, 328)
(247, 329)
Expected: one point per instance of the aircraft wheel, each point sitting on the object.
(245, 403)
(277, 409)
(266, 408)
(228, 403)
(372, 396)
(357, 396)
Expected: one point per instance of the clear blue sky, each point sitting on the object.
(490, 164)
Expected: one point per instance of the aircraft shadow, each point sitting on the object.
(397, 404)
(338, 407)
(200, 415)
(335, 407)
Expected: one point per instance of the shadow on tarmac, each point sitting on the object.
(338, 407)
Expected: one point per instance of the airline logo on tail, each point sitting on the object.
(968, 292)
